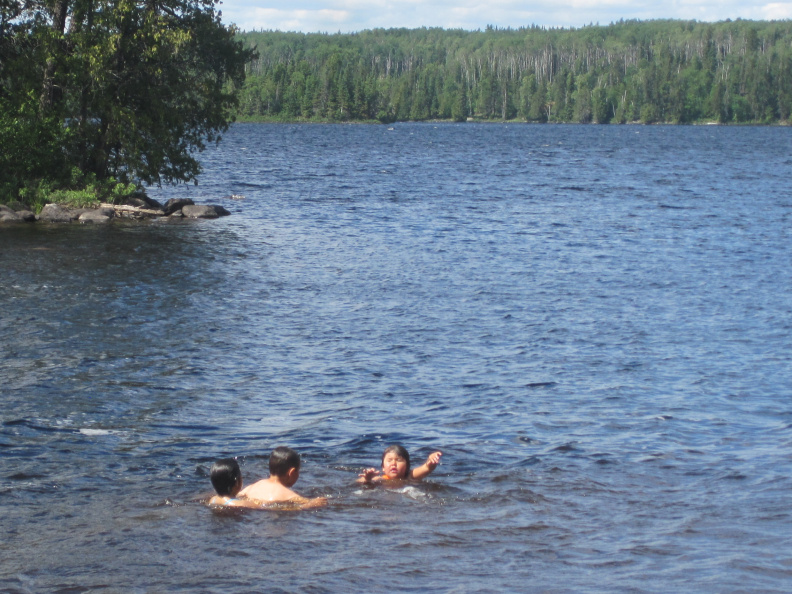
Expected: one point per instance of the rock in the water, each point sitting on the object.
(55, 213)
(17, 206)
(134, 201)
(204, 211)
(9, 216)
(58, 213)
(134, 212)
(94, 216)
(143, 202)
(174, 204)
(152, 204)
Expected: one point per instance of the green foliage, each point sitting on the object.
(31, 147)
(80, 191)
(653, 71)
(120, 89)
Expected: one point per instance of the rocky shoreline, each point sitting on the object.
(134, 208)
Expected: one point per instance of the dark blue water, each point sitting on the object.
(594, 324)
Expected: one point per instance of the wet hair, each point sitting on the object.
(399, 451)
(282, 460)
(225, 475)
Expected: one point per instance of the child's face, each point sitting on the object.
(394, 466)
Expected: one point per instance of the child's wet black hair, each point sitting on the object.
(225, 475)
(282, 460)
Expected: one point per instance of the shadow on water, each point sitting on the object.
(102, 329)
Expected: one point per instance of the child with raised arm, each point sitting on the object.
(396, 466)
(284, 467)
(226, 478)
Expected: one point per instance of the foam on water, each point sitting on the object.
(93, 432)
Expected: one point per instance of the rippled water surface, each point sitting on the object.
(594, 324)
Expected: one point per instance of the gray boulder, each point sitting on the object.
(204, 211)
(174, 204)
(153, 204)
(143, 202)
(17, 206)
(55, 213)
(135, 201)
(9, 216)
(95, 216)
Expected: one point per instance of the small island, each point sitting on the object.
(99, 101)
(134, 209)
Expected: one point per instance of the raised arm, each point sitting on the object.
(427, 467)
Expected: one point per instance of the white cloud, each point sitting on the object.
(776, 11)
(356, 15)
(294, 20)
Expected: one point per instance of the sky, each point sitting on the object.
(345, 16)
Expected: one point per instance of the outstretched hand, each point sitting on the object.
(433, 460)
(367, 475)
(427, 467)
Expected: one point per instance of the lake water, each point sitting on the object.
(594, 324)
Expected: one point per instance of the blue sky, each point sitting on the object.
(346, 16)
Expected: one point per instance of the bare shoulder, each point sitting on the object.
(262, 489)
(268, 491)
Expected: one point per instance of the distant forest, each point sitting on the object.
(631, 71)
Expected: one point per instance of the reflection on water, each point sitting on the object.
(592, 323)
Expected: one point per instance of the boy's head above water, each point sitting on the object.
(284, 463)
(226, 477)
(395, 462)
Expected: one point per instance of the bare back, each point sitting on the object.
(269, 490)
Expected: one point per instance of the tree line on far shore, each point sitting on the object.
(632, 71)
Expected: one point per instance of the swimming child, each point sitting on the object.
(227, 480)
(396, 466)
(284, 467)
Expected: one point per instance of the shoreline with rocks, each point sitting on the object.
(131, 209)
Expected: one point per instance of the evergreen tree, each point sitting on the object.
(538, 108)
(459, 109)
